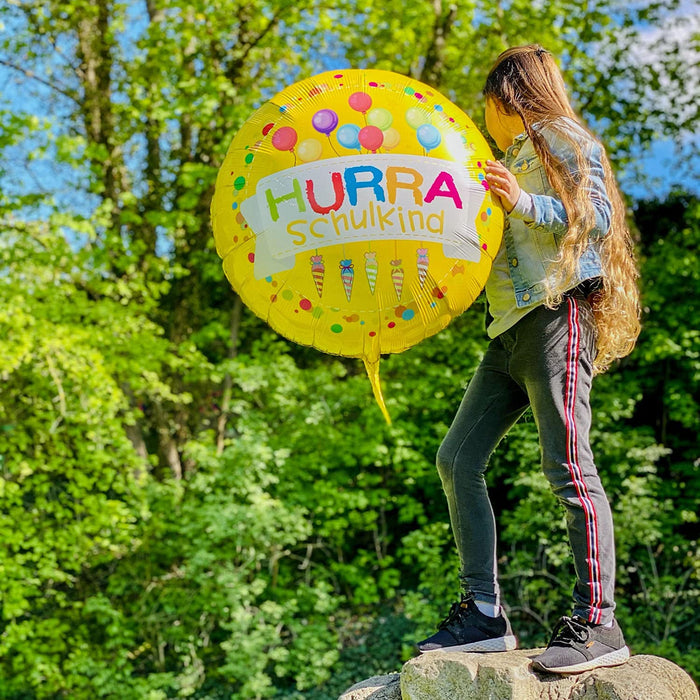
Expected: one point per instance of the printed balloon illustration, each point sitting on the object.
(352, 214)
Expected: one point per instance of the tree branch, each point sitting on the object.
(31, 74)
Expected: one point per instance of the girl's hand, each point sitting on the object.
(503, 184)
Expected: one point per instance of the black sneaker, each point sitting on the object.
(466, 628)
(577, 646)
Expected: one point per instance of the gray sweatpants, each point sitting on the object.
(544, 361)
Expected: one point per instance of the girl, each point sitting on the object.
(562, 305)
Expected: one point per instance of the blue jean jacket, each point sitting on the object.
(532, 245)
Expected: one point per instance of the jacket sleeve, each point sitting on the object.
(547, 212)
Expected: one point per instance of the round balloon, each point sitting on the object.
(352, 213)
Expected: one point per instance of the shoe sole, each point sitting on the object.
(507, 643)
(614, 658)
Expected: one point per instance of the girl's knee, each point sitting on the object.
(445, 462)
(459, 465)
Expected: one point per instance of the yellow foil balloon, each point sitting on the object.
(352, 214)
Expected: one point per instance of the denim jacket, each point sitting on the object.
(532, 245)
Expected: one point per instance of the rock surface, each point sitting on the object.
(508, 676)
(376, 688)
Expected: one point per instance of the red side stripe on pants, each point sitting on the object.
(574, 467)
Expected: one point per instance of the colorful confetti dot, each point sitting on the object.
(234, 205)
(249, 158)
(305, 304)
(268, 279)
(391, 324)
(484, 216)
(251, 257)
(484, 246)
(268, 127)
(288, 295)
(336, 328)
(409, 91)
(239, 182)
(408, 314)
(372, 334)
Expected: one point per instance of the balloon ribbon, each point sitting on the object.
(373, 374)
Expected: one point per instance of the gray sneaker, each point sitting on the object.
(577, 645)
(466, 628)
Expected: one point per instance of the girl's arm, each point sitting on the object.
(548, 210)
(544, 212)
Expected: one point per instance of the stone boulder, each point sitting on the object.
(375, 688)
(509, 676)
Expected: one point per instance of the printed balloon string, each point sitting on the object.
(328, 136)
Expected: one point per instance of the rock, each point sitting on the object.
(376, 688)
(508, 676)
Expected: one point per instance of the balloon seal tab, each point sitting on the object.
(372, 368)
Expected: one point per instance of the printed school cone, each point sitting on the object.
(347, 274)
(397, 277)
(422, 264)
(372, 367)
(371, 269)
(318, 270)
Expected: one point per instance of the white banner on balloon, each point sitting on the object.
(363, 198)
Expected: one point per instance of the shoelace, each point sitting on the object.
(456, 611)
(568, 630)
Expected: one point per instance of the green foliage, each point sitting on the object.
(193, 507)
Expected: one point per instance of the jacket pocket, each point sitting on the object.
(531, 174)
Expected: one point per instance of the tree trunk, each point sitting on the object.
(228, 379)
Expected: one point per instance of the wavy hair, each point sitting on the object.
(525, 80)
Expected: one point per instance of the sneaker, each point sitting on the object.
(577, 646)
(466, 628)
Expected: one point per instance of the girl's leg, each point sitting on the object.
(491, 404)
(558, 381)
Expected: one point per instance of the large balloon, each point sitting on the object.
(352, 214)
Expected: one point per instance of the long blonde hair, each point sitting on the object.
(526, 81)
